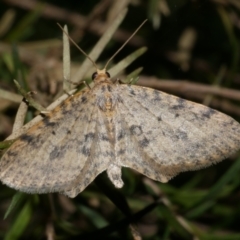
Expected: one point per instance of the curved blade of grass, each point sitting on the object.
(25, 25)
(6, 143)
(66, 62)
(20, 224)
(10, 96)
(172, 221)
(229, 236)
(132, 77)
(96, 219)
(126, 61)
(18, 71)
(6, 21)
(16, 199)
(213, 193)
(233, 41)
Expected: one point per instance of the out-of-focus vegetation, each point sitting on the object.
(193, 52)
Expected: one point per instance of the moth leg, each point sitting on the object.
(117, 81)
(86, 84)
(69, 94)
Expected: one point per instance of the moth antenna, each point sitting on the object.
(85, 54)
(124, 44)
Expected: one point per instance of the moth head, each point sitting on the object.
(100, 75)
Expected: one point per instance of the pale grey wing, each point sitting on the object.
(161, 135)
(100, 154)
(50, 156)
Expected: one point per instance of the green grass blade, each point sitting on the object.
(20, 224)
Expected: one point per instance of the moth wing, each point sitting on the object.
(55, 152)
(160, 135)
(100, 155)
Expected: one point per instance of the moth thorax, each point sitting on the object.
(107, 102)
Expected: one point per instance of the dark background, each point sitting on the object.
(193, 48)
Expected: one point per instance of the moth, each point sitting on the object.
(114, 125)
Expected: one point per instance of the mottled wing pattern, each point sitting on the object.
(160, 135)
(58, 150)
(100, 155)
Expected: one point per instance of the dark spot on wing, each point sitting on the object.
(176, 115)
(11, 153)
(109, 88)
(197, 146)
(159, 118)
(136, 130)
(104, 137)
(144, 143)
(146, 172)
(108, 153)
(75, 104)
(103, 88)
(157, 97)
(132, 91)
(53, 133)
(208, 113)
(144, 93)
(86, 181)
(85, 151)
(64, 109)
(57, 152)
(47, 122)
(121, 152)
(120, 135)
(84, 99)
(180, 104)
(89, 136)
(119, 99)
(27, 138)
(181, 135)
(145, 108)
